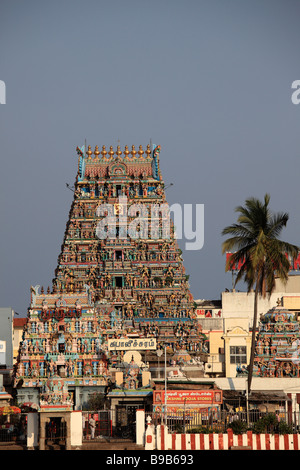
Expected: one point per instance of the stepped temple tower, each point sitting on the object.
(120, 292)
(277, 351)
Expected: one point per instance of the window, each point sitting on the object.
(238, 355)
(118, 255)
(119, 281)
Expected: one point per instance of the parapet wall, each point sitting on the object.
(161, 439)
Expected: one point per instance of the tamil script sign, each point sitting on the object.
(126, 344)
(188, 397)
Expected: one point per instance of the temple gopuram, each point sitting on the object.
(120, 294)
(277, 351)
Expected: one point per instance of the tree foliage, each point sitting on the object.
(260, 254)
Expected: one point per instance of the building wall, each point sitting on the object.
(241, 304)
(213, 328)
(28, 394)
(6, 333)
(17, 335)
(215, 362)
(76, 428)
(216, 341)
(2, 353)
(236, 334)
(292, 286)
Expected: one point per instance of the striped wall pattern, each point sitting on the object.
(226, 441)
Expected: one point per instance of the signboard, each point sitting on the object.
(189, 413)
(208, 312)
(126, 344)
(292, 302)
(188, 397)
(2, 352)
(294, 263)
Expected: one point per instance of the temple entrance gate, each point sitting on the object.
(125, 420)
(55, 429)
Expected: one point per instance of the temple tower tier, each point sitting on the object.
(120, 292)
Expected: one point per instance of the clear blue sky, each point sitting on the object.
(210, 81)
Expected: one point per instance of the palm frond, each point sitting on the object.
(254, 239)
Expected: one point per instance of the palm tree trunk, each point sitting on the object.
(250, 374)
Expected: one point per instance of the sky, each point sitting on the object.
(207, 80)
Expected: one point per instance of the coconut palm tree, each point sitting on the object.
(258, 252)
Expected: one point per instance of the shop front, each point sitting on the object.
(187, 408)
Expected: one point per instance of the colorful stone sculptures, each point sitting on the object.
(117, 274)
(277, 351)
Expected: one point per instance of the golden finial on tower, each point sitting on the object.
(133, 152)
(89, 152)
(118, 152)
(126, 152)
(96, 152)
(141, 151)
(148, 151)
(103, 152)
(111, 152)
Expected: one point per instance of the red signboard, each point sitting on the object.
(188, 397)
(208, 312)
(294, 263)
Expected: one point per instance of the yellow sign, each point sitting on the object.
(292, 302)
(125, 344)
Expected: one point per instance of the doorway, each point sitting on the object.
(119, 281)
(125, 421)
(56, 432)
